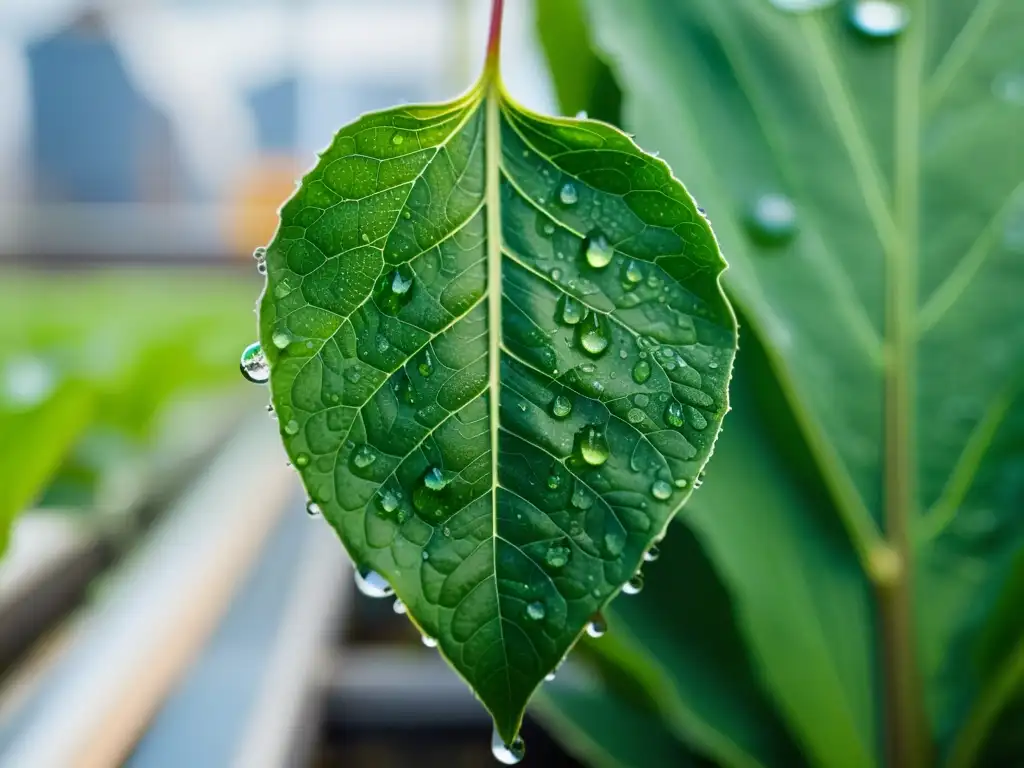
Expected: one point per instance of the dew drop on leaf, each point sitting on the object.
(397, 139)
(426, 366)
(281, 339)
(535, 611)
(635, 416)
(507, 754)
(557, 556)
(634, 585)
(593, 446)
(394, 290)
(292, 427)
(879, 18)
(428, 641)
(772, 219)
(372, 584)
(652, 554)
(398, 607)
(674, 414)
(592, 334)
(302, 460)
(641, 371)
(388, 500)
(363, 456)
(697, 419)
(554, 479)
(561, 407)
(312, 508)
(661, 490)
(254, 365)
(568, 194)
(597, 251)
(437, 479)
(570, 311)
(631, 273)
(597, 627)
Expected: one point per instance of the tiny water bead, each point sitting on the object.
(631, 273)
(641, 371)
(597, 251)
(260, 254)
(261, 267)
(661, 490)
(372, 584)
(772, 219)
(313, 509)
(652, 554)
(635, 416)
(397, 139)
(281, 339)
(535, 611)
(507, 754)
(554, 480)
(592, 334)
(581, 115)
(254, 365)
(593, 446)
(291, 427)
(570, 311)
(879, 18)
(437, 479)
(597, 627)
(561, 407)
(426, 366)
(394, 289)
(557, 557)
(398, 607)
(428, 641)
(674, 414)
(388, 501)
(302, 460)
(568, 194)
(634, 585)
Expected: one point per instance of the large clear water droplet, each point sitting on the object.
(661, 490)
(363, 456)
(372, 584)
(557, 556)
(254, 365)
(652, 554)
(593, 446)
(399, 607)
(597, 627)
(592, 334)
(394, 289)
(568, 194)
(426, 366)
(507, 754)
(674, 414)
(641, 371)
(581, 115)
(632, 274)
(879, 18)
(772, 219)
(389, 500)
(437, 479)
(428, 641)
(570, 311)
(634, 585)
(597, 251)
(313, 509)
(561, 407)
(535, 611)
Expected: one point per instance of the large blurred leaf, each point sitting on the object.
(499, 353)
(33, 441)
(889, 303)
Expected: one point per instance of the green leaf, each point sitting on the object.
(499, 355)
(869, 193)
(41, 434)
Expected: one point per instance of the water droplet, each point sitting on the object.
(597, 627)
(697, 419)
(674, 414)
(1009, 86)
(437, 479)
(641, 371)
(388, 500)
(261, 267)
(260, 253)
(383, 345)
(292, 427)
(635, 416)
(549, 677)
(281, 339)
(428, 641)
(567, 194)
(363, 456)
(641, 400)
(581, 115)
(394, 290)
(661, 490)
(507, 754)
(772, 220)
(592, 334)
(597, 250)
(634, 585)
(554, 479)
(556, 275)
(364, 237)
(570, 311)
(302, 459)
(879, 18)
(399, 607)
(680, 483)
(632, 273)
(397, 139)
(557, 556)
(254, 365)
(406, 214)
(652, 554)
(561, 407)
(426, 366)
(535, 611)
(593, 446)
(372, 584)
(313, 509)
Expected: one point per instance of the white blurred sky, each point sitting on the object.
(196, 58)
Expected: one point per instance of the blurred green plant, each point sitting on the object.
(499, 351)
(862, 520)
(89, 362)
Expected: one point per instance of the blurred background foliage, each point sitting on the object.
(757, 640)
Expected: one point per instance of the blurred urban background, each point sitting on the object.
(166, 601)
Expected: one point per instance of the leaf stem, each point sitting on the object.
(494, 39)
